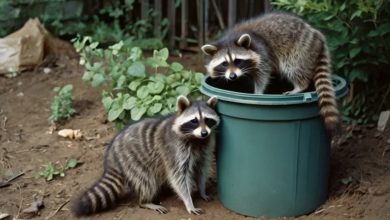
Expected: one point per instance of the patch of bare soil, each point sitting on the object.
(363, 161)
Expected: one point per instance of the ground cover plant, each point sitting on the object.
(138, 86)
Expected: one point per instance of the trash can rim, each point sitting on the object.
(340, 86)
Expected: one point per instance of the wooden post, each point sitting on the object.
(184, 25)
(200, 22)
(172, 23)
(232, 12)
(144, 9)
(206, 20)
(158, 17)
(267, 6)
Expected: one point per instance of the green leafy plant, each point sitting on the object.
(50, 171)
(358, 34)
(139, 86)
(62, 107)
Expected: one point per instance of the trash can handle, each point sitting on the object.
(307, 97)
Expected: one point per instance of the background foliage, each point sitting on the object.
(358, 33)
(106, 21)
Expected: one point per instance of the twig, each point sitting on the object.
(20, 203)
(3, 123)
(57, 210)
(16, 176)
(7, 182)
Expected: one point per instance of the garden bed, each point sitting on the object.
(360, 165)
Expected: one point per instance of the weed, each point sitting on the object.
(51, 170)
(61, 107)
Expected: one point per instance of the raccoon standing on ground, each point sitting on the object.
(175, 150)
(277, 43)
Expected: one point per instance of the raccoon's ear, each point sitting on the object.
(209, 49)
(244, 41)
(182, 103)
(212, 102)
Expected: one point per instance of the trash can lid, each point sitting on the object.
(339, 84)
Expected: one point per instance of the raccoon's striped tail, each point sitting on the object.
(101, 196)
(326, 93)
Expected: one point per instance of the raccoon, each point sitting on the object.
(175, 150)
(277, 43)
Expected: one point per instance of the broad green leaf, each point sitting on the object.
(121, 81)
(161, 54)
(354, 51)
(71, 163)
(87, 76)
(137, 113)
(199, 77)
(156, 98)
(114, 112)
(155, 108)
(129, 103)
(142, 92)
(134, 85)
(176, 67)
(186, 75)
(156, 87)
(155, 62)
(159, 78)
(135, 54)
(97, 80)
(137, 69)
(107, 102)
(183, 90)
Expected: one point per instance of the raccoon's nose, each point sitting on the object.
(232, 75)
(204, 133)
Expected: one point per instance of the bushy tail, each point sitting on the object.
(325, 91)
(101, 196)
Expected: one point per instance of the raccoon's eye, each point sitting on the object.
(237, 62)
(194, 121)
(210, 122)
(225, 64)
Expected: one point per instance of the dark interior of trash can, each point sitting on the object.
(244, 84)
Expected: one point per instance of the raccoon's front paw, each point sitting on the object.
(195, 211)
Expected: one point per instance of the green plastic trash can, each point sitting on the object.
(273, 152)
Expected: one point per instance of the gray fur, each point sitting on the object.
(152, 153)
(278, 43)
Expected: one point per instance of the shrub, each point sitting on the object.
(358, 34)
(138, 86)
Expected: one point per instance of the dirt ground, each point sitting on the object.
(26, 145)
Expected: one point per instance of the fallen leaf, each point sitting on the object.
(70, 133)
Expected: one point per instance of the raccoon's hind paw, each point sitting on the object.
(195, 211)
(158, 208)
(206, 197)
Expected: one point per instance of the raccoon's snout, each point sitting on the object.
(233, 76)
(204, 133)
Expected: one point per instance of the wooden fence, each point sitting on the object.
(198, 19)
